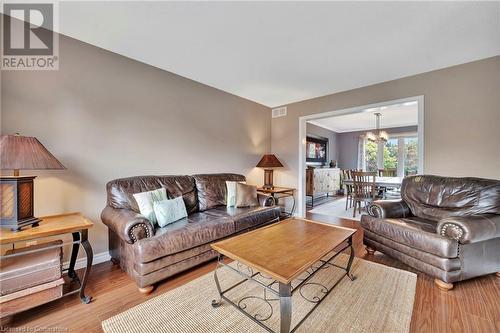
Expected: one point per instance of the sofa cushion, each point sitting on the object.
(413, 232)
(195, 230)
(435, 197)
(145, 202)
(170, 270)
(446, 264)
(231, 193)
(246, 195)
(169, 211)
(212, 189)
(447, 276)
(149, 267)
(247, 217)
(120, 191)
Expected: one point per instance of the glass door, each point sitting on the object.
(399, 153)
(410, 156)
(391, 155)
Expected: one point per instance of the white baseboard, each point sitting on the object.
(82, 262)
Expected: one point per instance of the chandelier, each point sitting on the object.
(379, 136)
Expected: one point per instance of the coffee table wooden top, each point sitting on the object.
(286, 249)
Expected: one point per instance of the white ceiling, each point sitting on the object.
(396, 115)
(276, 53)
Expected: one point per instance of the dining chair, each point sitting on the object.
(391, 172)
(363, 189)
(347, 174)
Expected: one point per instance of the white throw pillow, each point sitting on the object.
(169, 211)
(145, 202)
(231, 193)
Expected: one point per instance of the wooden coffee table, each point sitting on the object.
(282, 252)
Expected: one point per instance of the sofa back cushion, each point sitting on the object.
(435, 197)
(120, 191)
(212, 188)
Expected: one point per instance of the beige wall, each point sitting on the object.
(462, 119)
(105, 116)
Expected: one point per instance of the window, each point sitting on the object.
(410, 156)
(371, 156)
(390, 154)
(400, 152)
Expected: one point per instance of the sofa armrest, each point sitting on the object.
(265, 200)
(127, 224)
(470, 229)
(389, 209)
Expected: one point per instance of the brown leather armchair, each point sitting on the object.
(150, 254)
(446, 227)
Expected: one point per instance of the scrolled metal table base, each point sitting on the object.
(282, 291)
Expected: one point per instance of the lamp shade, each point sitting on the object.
(25, 153)
(269, 161)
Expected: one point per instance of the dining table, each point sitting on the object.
(389, 182)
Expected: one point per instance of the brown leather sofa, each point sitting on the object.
(150, 254)
(446, 227)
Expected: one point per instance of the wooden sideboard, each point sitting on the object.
(321, 181)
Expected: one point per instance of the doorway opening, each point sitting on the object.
(386, 138)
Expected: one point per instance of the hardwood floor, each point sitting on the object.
(472, 306)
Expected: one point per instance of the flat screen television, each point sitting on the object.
(316, 150)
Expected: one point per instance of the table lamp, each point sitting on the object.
(16, 192)
(268, 162)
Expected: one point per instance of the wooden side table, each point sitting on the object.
(73, 223)
(278, 193)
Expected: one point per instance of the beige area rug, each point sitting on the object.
(337, 209)
(379, 300)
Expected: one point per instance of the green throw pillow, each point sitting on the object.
(145, 202)
(169, 211)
